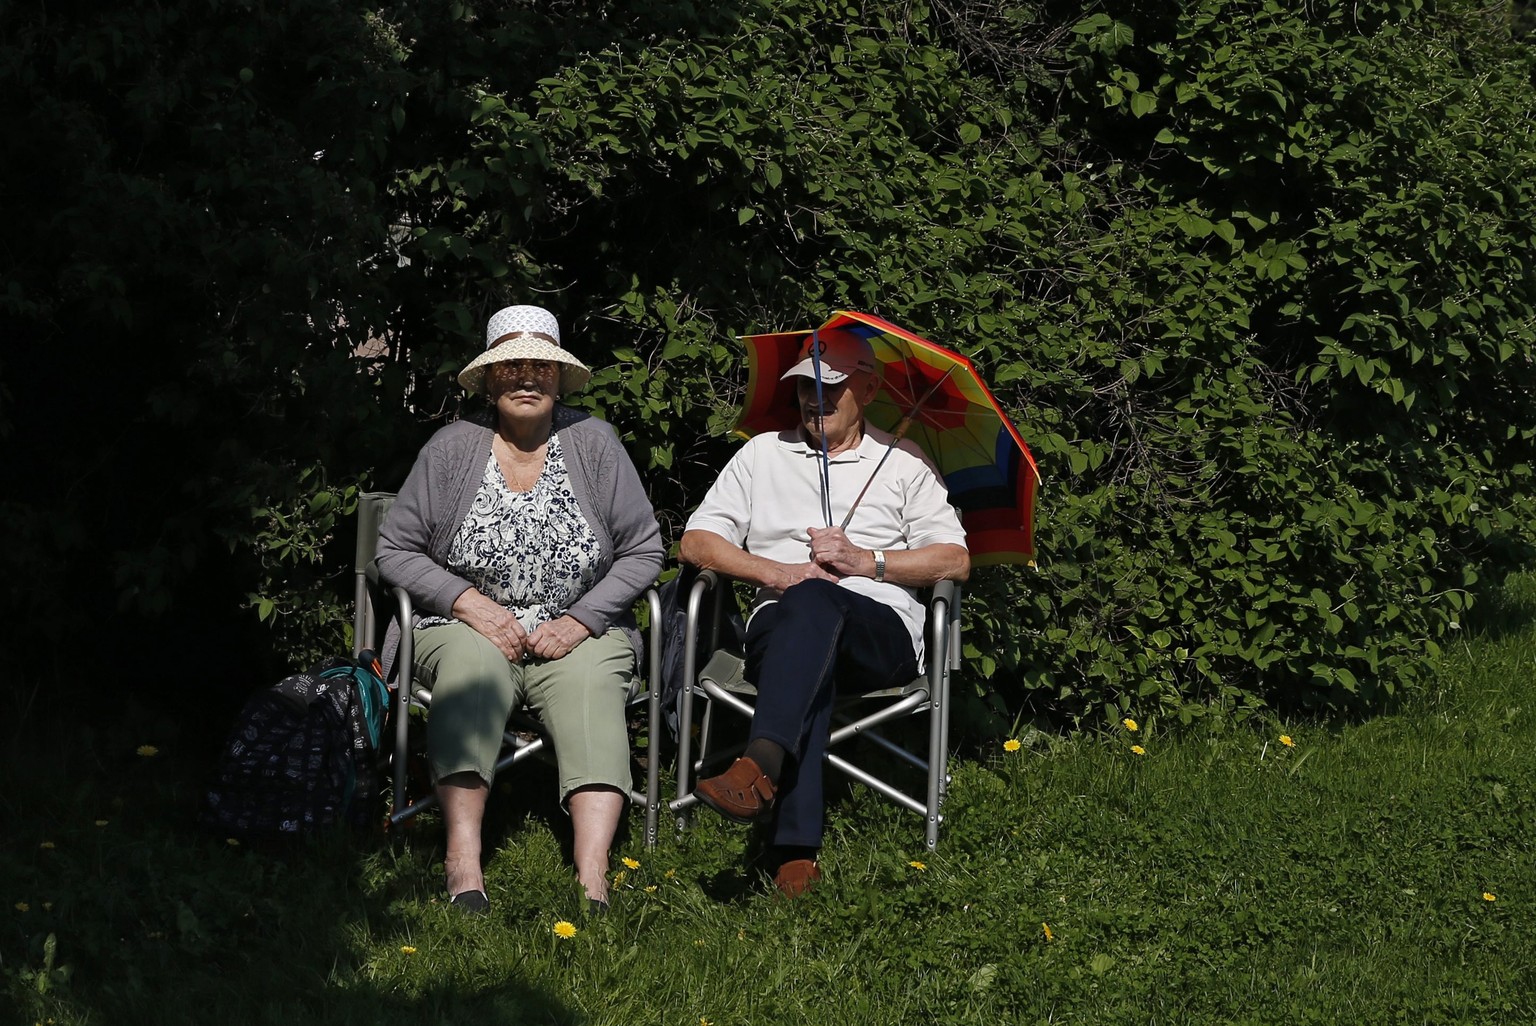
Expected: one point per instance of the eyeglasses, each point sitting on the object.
(523, 368)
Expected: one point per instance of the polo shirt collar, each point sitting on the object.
(871, 447)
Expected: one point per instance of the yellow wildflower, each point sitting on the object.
(148, 751)
(22, 906)
(918, 865)
(1138, 750)
(1049, 936)
(101, 822)
(564, 930)
(630, 863)
(1285, 739)
(651, 889)
(1489, 896)
(1130, 724)
(233, 842)
(406, 949)
(706, 1022)
(47, 846)
(671, 874)
(1012, 745)
(618, 878)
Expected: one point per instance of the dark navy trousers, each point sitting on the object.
(797, 650)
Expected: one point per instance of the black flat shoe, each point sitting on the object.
(474, 903)
(597, 906)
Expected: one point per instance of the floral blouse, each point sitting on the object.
(532, 552)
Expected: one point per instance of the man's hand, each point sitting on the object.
(791, 574)
(495, 622)
(831, 549)
(555, 639)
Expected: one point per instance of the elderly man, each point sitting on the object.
(830, 602)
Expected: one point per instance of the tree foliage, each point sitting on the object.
(1252, 276)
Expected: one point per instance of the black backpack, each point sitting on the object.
(303, 754)
(674, 627)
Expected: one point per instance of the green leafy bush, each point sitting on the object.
(1252, 277)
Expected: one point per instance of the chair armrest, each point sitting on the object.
(948, 594)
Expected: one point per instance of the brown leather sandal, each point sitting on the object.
(741, 794)
(796, 876)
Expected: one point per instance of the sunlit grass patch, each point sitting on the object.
(1363, 872)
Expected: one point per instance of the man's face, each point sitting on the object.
(841, 410)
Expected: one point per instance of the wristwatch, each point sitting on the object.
(879, 564)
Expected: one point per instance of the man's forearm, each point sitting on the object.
(927, 566)
(709, 551)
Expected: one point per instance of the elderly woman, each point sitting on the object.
(526, 537)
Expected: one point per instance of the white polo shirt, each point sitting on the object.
(769, 496)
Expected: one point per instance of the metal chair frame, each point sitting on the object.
(929, 693)
(375, 603)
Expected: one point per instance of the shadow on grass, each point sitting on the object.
(120, 909)
(1504, 607)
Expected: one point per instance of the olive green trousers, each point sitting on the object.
(579, 698)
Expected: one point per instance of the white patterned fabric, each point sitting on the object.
(521, 318)
(531, 552)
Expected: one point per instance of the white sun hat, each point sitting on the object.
(842, 353)
(524, 333)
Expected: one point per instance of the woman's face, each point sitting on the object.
(523, 391)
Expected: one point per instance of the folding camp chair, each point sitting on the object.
(376, 604)
(856, 716)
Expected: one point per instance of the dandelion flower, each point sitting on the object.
(406, 949)
(101, 822)
(148, 751)
(564, 930)
(1490, 896)
(706, 1022)
(1138, 750)
(618, 878)
(630, 863)
(1012, 745)
(651, 889)
(671, 874)
(1049, 936)
(47, 846)
(1285, 739)
(22, 906)
(1130, 724)
(918, 865)
(233, 842)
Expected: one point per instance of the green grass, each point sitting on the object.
(1221, 877)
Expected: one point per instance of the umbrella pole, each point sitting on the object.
(896, 437)
(821, 429)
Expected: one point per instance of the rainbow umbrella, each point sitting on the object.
(989, 471)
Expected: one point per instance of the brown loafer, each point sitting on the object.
(796, 876)
(741, 794)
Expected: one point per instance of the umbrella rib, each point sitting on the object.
(896, 437)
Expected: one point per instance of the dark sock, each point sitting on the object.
(768, 756)
(782, 853)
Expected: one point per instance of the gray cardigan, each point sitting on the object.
(438, 493)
